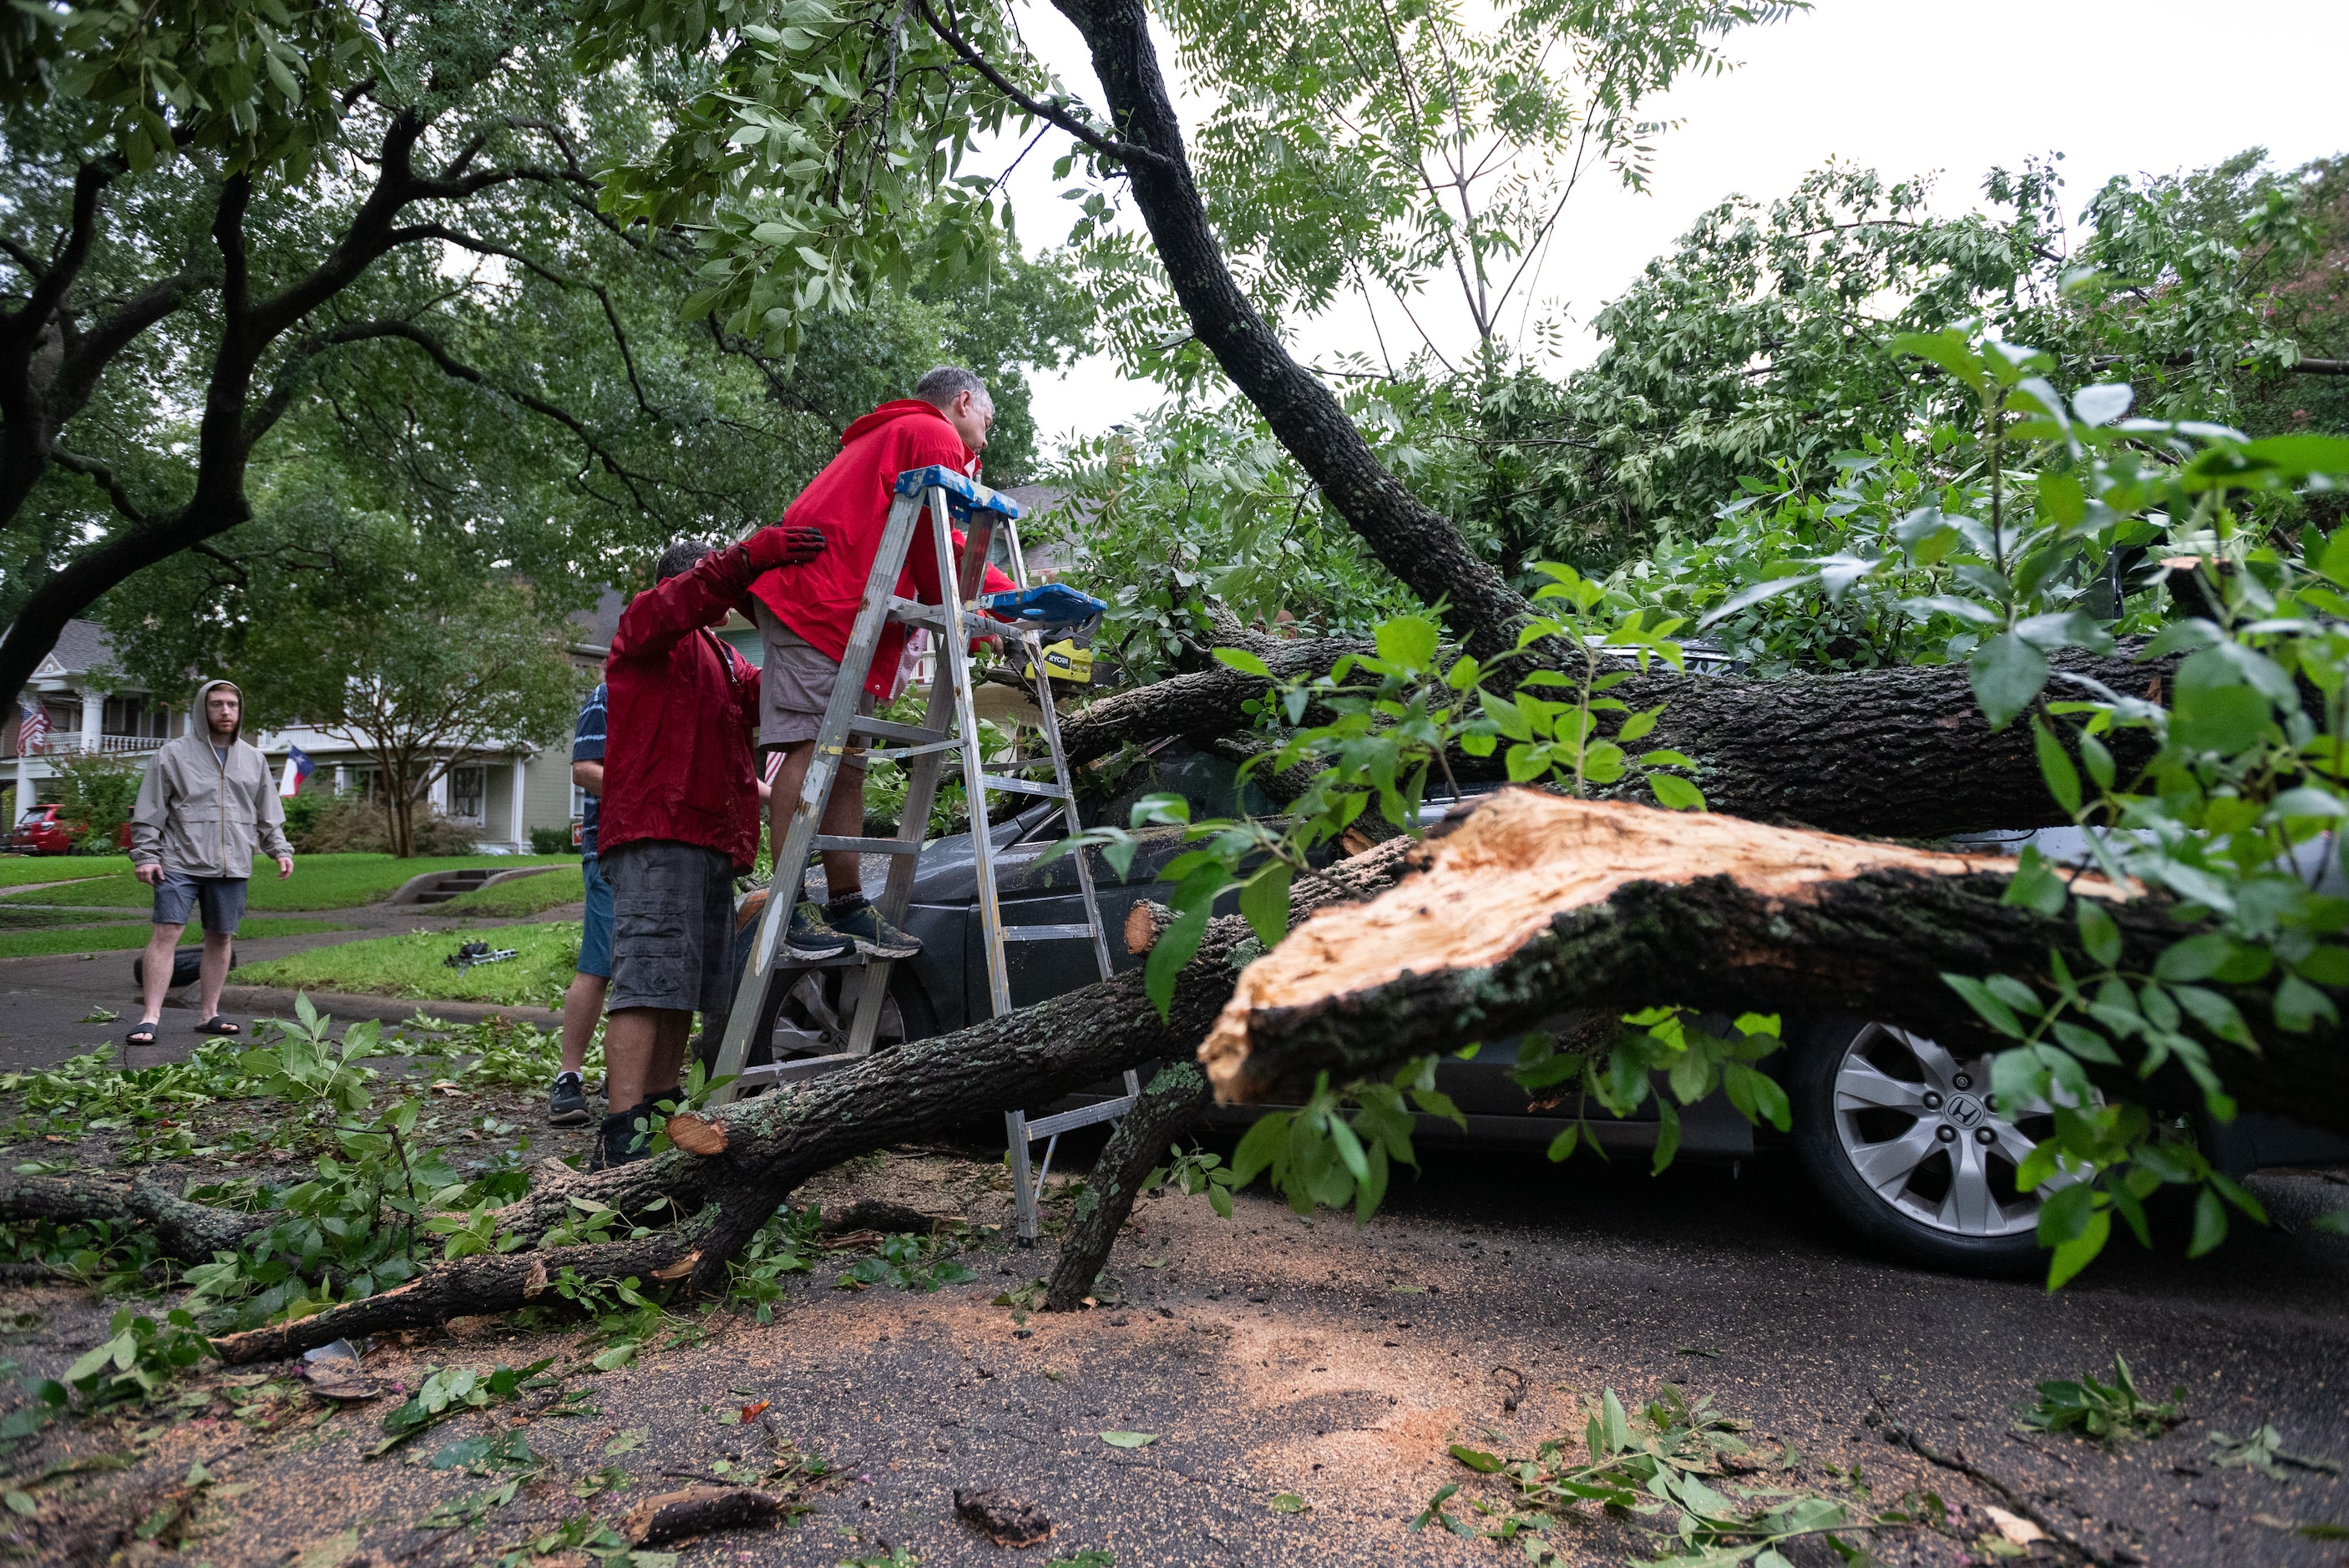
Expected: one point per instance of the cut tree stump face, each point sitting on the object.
(1510, 867)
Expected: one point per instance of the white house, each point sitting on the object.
(501, 792)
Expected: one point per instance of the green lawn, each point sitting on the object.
(121, 938)
(412, 967)
(17, 869)
(319, 882)
(522, 896)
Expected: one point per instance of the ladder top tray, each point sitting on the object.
(964, 494)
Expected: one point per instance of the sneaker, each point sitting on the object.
(566, 1102)
(874, 936)
(624, 1138)
(808, 938)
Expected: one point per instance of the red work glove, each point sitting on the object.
(781, 546)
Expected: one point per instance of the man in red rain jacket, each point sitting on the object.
(806, 611)
(679, 818)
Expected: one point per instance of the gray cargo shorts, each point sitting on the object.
(796, 683)
(672, 927)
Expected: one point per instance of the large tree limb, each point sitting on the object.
(1895, 751)
(1535, 904)
(749, 1155)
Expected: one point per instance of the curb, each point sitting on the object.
(267, 1001)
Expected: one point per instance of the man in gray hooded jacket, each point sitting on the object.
(207, 803)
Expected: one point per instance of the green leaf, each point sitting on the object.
(2008, 675)
(1177, 945)
(1676, 793)
(2081, 1251)
(1476, 1459)
(1994, 1012)
(1129, 1440)
(2194, 958)
(1263, 900)
(2210, 1224)
(2098, 935)
(2055, 766)
(1409, 641)
(2228, 719)
(1248, 663)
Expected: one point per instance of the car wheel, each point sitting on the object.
(1910, 1148)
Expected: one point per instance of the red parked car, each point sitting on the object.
(43, 831)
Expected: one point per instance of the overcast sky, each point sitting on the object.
(1905, 86)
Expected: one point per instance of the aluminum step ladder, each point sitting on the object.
(950, 726)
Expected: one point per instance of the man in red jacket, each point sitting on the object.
(806, 611)
(678, 819)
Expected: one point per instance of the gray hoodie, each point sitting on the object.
(201, 815)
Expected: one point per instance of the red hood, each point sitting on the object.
(902, 408)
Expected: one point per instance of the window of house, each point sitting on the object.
(468, 793)
(578, 802)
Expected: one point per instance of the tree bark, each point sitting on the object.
(749, 1155)
(1535, 904)
(1902, 752)
(192, 1231)
(1171, 1102)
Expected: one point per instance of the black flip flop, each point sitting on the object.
(143, 1033)
(216, 1024)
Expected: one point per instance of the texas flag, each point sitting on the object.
(298, 767)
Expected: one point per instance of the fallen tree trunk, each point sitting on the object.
(747, 1157)
(1533, 904)
(1901, 752)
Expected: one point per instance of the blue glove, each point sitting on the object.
(1052, 605)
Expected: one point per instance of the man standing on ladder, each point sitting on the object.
(806, 612)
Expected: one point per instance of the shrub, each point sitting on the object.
(549, 841)
(98, 792)
(342, 824)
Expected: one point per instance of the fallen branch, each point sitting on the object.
(189, 1231)
(1536, 904)
(1898, 752)
(762, 1148)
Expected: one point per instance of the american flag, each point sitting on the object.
(32, 728)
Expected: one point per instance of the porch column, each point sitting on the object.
(519, 833)
(93, 721)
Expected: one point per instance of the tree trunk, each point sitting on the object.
(746, 1159)
(1901, 752)
(1535, 904)
(1422, 548)
(1171, 1103)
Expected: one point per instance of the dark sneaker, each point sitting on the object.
(566, 1102)
(626, 1136)
(808, 938)
(874, 936)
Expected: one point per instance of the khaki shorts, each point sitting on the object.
(795, 686)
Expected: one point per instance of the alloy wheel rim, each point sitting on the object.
(1924, 1133)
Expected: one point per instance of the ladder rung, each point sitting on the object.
(1022, 787)
(868, 846)
(897, 753)
(1046, 933)
(889, 730)
(1083, 1116)
(918, 614)
(795, 1070)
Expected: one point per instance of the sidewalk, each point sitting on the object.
(47, 1002)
